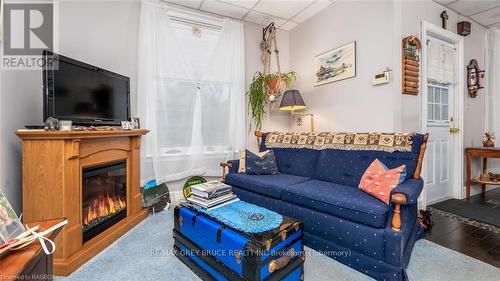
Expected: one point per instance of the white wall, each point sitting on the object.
(102, 33)
(351, 104)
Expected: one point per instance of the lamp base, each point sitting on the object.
(299, 117)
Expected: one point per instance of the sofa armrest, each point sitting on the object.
(232, 166)
(404, 194)
(411, 189)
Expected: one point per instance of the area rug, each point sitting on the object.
(486, 212)
(145, 253)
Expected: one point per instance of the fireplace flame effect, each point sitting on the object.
(103, 206)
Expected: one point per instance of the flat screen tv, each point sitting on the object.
(83, 93)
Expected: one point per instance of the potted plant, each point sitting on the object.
(264, 89)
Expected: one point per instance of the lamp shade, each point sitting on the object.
(292, 100)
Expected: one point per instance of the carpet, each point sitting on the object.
(486, 212)
(145, 253)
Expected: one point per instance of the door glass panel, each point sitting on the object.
(444, 96)
(437, 112)
(437, 95)
(445, 113)
(438, 102)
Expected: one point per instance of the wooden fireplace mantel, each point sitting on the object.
(52, 165)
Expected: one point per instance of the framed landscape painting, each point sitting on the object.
(335, 65)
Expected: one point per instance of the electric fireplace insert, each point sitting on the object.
(103, 198)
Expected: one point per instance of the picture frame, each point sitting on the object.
(335, 65)
(126, 125)
(135, 123)
(10, 225)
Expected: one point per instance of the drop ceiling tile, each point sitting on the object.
(289, 25)
(445, 2)
(224, 9)
(472, 7)
(195, 4)
(263, 19)
(312, 10)
(242, 3)
(489, 17)
(282, 8)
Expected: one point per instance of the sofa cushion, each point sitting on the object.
(347, 166)
(339, 200)
(378, 181)
(269, 185)
(299, 162)
(263, 163)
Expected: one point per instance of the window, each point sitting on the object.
(191, 91)
(179, 99)
(438, 102)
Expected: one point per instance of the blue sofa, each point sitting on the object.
(319, 187)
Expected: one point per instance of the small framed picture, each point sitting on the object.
(135, 123)
(65, 125)
(10, 225)
(126, 125)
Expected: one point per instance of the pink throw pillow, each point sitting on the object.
(379, 181)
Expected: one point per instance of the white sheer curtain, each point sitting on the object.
(191, 95)
(441, 63)
(492, 108)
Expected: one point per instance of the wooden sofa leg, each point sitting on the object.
(224, 166)
(398, 199)
(396, 218)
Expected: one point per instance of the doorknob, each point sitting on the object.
(453, 129)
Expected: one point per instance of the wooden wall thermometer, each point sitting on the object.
(411, 65)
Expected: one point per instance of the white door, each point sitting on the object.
(439, 155)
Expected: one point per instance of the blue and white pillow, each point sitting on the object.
(263, 163)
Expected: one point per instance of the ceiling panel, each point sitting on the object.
(195, 4)
(283, 9)
(311, 10)
(289, 25)
(263, 19)
(473, 7)
(445, 2)
(242, 3)
(489, 17)
(485, 12)
(285, 13)
(222, 8)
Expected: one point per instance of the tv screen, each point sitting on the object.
(84, 94)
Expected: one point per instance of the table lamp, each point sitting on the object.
(292, 101)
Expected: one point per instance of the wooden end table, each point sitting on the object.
(479, 152)
(31, 262)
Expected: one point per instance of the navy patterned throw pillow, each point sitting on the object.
(263, 163)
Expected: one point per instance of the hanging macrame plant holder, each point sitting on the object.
(274, 86)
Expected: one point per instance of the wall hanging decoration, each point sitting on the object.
(411, 65)
(334, 65)
(474, 78)
(444, 19)
(463, 28)
(266, 86)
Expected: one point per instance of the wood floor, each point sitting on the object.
(467, 239)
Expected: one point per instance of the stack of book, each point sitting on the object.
(211, 195)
